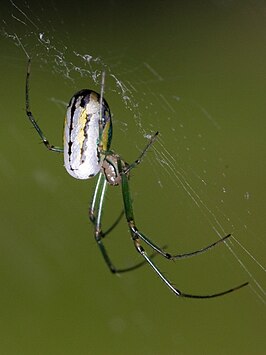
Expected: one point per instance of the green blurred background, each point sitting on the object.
(195, 71)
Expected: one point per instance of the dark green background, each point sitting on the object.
(57, 296)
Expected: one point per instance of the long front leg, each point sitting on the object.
(31, 117)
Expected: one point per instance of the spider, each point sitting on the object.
(87, 141)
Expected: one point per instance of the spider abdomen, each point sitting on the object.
(81, 134)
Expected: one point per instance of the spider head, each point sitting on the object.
(112, 167)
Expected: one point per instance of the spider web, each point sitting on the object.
(182, 160)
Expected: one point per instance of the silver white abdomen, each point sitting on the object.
(81, 134)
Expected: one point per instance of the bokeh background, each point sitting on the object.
(195, 71)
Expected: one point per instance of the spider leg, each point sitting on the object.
(176, 291)
(177, 256)
(31, 117)
(199, 251)
(95, 214)
(137, 237)
(143, 237)
(140, 158)
(92, 209)
(116, 222)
